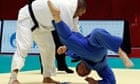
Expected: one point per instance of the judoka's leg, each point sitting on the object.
(101, 38)
(46, 45)
(125, 58)
(23, 44)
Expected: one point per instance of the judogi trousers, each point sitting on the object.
(24, 40)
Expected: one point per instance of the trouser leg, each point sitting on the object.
(61, 64)
(60, 59)
(41, 67)
(126, 45)
(46, 45)
(23, 44)
(101, 38)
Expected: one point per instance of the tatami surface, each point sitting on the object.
(123, 76)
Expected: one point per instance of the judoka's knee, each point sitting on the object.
(23, 50)
(98, 31)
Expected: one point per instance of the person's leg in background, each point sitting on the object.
(60, 59)
(61, 63)
(126, 44)
(41, 67)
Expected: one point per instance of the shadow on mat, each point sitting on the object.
(58, 72)
(32, 83)
(51, 83)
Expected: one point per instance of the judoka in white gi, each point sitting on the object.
(34, 24)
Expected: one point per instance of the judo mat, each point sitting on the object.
(30, 74)
(123, 76)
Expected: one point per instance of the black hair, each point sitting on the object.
(89, 70)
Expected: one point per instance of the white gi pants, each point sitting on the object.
(24, 40)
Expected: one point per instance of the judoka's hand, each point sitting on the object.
(61, 50)
(91, 80)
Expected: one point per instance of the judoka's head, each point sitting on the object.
(81, 8)
(82, 69)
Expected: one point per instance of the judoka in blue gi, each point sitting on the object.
(91, 50)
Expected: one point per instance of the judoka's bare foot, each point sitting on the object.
(126, 60)
(50, 81)
(13, 81)
(13, 78)
(55, 11)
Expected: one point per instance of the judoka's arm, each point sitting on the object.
(107, 76)
(73, 40)
(62, 29)
(66, 34)
(70, 39)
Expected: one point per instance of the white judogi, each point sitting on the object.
(42, 35)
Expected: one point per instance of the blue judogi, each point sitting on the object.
(92, 49)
